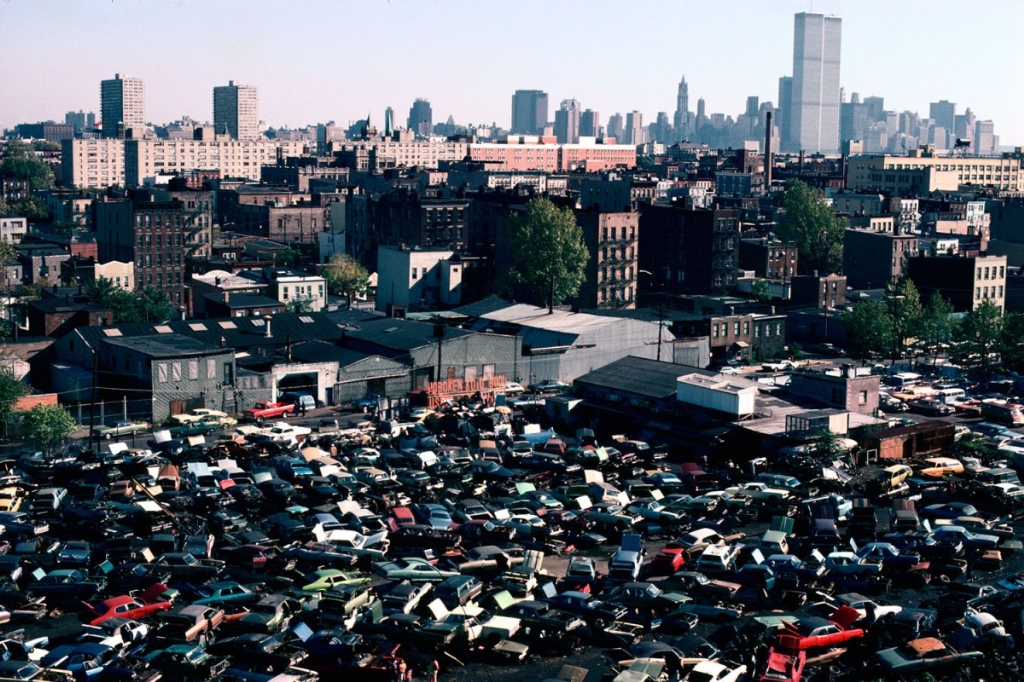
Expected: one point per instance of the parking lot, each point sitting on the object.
(479, 538)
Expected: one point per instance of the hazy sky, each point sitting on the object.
(320, 60)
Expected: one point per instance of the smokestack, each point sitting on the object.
(266, 328)
(769, 156)
(801, 162)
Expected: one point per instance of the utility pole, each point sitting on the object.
(661, 320)
(92, 411)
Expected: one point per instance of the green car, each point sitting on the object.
(227, 592)
(196, 428)
(326, 578)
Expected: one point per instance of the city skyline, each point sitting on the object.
(904, 52)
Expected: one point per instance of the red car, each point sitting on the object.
(815, 633)
(132, 608)
(668, 561)
(785, 661)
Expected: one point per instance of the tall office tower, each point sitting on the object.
(661, 131)
(236, 111)
(123, 106)
(389, 122)
(635, 128)
(567, 122)
(853, 119)
(753, 105)
(681, 120)
(817, 43)
(964, 125)
(943, 113)
(986, 142)
(701, 111)
(590, 123)
(421, 118)
(785, 118)
(529, 112)
(616, 128)
(876, 108)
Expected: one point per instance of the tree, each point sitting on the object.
(121, 302)
(869, 330)
(8, 254)
(346, 277)
(32, 208)
(980, 333)
(761, 290)
(286, 257)
(19, 160)
(938, 325)
(1011, 345)
(11, 389)
(549, 256)
(903, 304)
(153, 305)
(47, 426)
(815, 228)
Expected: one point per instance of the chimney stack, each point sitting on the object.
(769, 156)
(266, 328)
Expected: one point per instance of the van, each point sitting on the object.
(301, 401)
(605, 492)
(894, 476)
(952, 396)
(941, 466)
(903, 379)
(717, 559)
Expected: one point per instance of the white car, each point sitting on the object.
(730, 371)
(514, 388)
(713, 671)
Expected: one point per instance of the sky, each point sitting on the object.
(320, 60)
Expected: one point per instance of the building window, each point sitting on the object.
(862, 398)
(414, 273)
(161, 373)
(977, 293)
(736, 329)
(746, 328)
(714, 329)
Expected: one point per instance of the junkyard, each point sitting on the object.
(477, 541)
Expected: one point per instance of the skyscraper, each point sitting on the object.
(529, 112)
(567, 122)
(421, 118)
(616, 128)
(681, 120)
(590, 123)
(635, 133)
(817, 42)
(236, 110)
(944, 114)
(389, 122)
(123, 103)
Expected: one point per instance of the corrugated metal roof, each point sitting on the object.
(639, 376)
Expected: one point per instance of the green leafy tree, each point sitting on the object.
(549, 256)
(938, 326)
(122, 303)
(31, 208)
(47, 426)
(19, 160)
(299, 305)
(761, 290)
(815, 228)
(11, 389)
(346, 277)
(980, 333)
(903, 303)
(153, 305)
(8, 254)
(869, 330)
(287, 257)
(1011, 345)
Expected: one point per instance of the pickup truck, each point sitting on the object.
(265, 410)
(779, 366)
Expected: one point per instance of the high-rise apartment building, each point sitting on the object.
(123, 106)
(529, 112)
(421, 118)
(817, 42)
(236, 110)
(567, 122)
(590, 123)
(616, 128)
